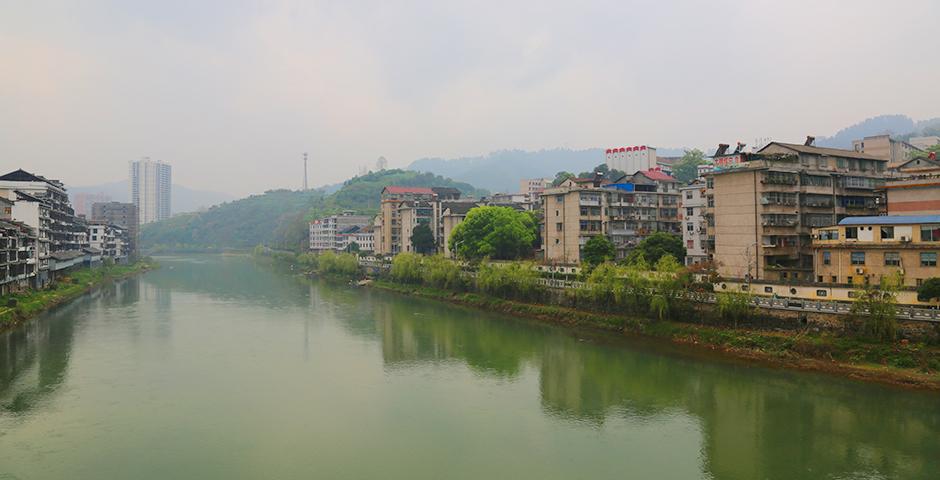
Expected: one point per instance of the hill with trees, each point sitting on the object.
(278, 218)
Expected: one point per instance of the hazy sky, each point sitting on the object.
(231, 93)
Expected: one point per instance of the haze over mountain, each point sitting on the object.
(184, 199)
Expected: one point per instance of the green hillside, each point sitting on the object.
(278, 218)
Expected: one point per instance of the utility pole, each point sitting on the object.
(305, 171)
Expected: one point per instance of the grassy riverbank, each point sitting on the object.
(17, 308)
(904, 364)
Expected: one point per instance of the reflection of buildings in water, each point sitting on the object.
(162, 300)
(34, 360)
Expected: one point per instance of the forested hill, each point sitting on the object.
(278, 218)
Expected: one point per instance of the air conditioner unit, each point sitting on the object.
(859, 271)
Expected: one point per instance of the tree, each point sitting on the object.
(875, 306)
(597, 250)
(422, 239)
(929, 290)
(353, 247)
(560, 177)
(653, 247)
(686, 169)
(501, 233)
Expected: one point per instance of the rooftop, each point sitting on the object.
(21, 175)
(398, 190)
(832, 152)
(891, 220)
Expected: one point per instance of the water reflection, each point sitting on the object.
(756, 423)
(34, 358)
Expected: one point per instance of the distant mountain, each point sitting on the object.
(883, 124)
(501, 171)
(184, 199)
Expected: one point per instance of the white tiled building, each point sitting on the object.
(692, 209)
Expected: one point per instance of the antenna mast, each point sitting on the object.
(305, 171)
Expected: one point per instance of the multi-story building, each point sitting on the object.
(17, 251)
(887, 148)
(533, 187)
(626, 211)
(123, 215)
(924, 143)
(365, 238)
(64, 233)
(334, 232)
(452, 213)
(631, 159)
(151, 189)
(863, 250)
(761, 207)
(83, 202)
(692, 215)
(411, 214)
(101, 236)
(388, 240)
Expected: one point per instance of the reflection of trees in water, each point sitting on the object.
(228, 277)
(756, 423)
(34, 358)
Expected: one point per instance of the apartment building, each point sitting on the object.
(863, 250)
(17, 251)
(531, 188)
(411, 214)
(83, 201)
(365, 238)
(337, 231)
(626, 211)
(887, 148)
(452, 214)
(692, 216)
(151, 189)
(388, 240)
(123, 215)
(924, 143)
(761, 207)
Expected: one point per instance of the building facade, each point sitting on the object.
(887, 148)
(761, 207)
(336, 232)
(151, 189)
(388, 240)
(626, 212)
(694, 231)
(82, 202)
(924, 143)
(864, 250)
(123, 215)
(533, 187)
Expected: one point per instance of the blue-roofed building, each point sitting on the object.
(864, 250)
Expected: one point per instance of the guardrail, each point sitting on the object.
(904, 312)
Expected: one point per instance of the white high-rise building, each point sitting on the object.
(630, 160)
(151, 187)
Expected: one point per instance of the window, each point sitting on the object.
(690, 244)
(821, 293)
(688, 194)
(689, 212)
(768, 289)
(851, 233)
(848, 280)
(858, 258)
(690, 227)
(819, 279)
(835, 279)
(832, 234)
(559, 226)
(928, 259)
(892, 259)
(827, 258)
(823, 162)
(710, 182)
(887, 233)
(930, 233)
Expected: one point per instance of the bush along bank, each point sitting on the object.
(17, 308)
(648, 301)
(338, 266)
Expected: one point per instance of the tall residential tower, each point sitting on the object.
(150, 189)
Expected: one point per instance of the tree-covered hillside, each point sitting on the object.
(278, 218)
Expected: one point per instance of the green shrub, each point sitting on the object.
(342, 264)
(513, 281)
(440, 272)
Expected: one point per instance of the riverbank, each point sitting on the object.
(17, 309)
(903, 364)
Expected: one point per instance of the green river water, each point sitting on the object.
(215, 368)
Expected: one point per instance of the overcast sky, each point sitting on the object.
(231, 93)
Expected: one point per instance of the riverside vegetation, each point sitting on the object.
(653, 301)
(19, 307)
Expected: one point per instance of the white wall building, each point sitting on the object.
(630, 160)
(533, 187)
(151, 187)
(692, 213)
(333, 232)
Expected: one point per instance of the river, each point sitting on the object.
(214, 367)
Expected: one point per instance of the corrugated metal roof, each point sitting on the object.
(394, 189)
(891, 220)
(832, 152)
